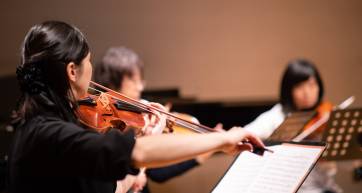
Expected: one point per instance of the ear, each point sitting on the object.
(72, 71)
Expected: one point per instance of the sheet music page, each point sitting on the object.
(278, 172)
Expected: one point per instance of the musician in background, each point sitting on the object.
(301, 90)
(121, 69)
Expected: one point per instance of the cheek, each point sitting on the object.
(124, 88)
(134, 92)
(88, 70)
(315, 94)
(86, 76)
(90, 73)
(297, 95)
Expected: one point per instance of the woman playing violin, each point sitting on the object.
(53, 152)
(122, 69)
(301, 90)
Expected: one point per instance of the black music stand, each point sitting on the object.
(343, 135)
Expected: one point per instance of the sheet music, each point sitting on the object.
(278, 172)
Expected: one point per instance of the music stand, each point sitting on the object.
(283, 171)
(343, 135)
(291, 126)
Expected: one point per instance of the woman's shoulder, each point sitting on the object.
(264, 125)
(276, 110)
(44, 119)
(45, 124)
(277, 107)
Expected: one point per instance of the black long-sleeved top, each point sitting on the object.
(51, 155)
(165, 173)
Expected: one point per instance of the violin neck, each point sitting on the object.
(198, 128)
(185, 123)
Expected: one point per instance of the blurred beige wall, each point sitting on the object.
(211, 49)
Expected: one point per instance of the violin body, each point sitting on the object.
(324, 109)
(111, 109)
(102, 112)
(180, 129)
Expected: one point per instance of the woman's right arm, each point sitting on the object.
(79, 152)
(162, 150)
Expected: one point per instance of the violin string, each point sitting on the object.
(134, 102)
(344, 104)
(148, 107)
(127, 102)
(192, 127)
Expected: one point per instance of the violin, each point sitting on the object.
(111, 109)
(319, 120)
(181, 129)
(314, 128)
(103, 112)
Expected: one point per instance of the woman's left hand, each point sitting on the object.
(156, 122)
(140, 181)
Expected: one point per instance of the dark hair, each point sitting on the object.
(117, 63)
(298, 71)
(47, 49)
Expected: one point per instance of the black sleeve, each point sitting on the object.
(3, 174)
(67, 149)
(165, 173)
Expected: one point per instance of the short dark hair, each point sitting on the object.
(117, 63)
(46, 51)
(298, 71)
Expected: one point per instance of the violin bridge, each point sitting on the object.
(104, 100)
